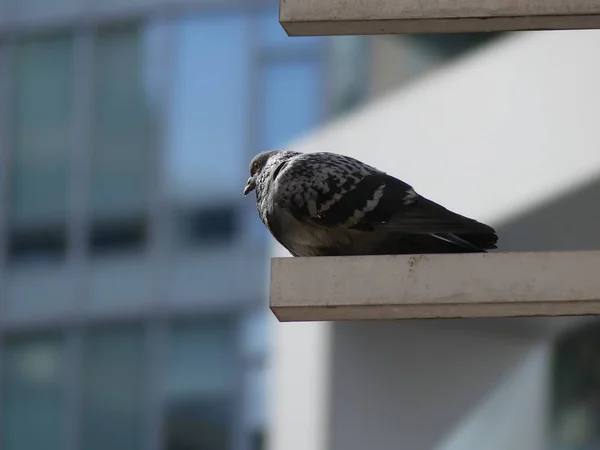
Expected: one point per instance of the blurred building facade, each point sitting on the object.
(132, 271)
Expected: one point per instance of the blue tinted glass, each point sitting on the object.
(349, 72)
(41, 132)
(206, 158)
(124, 120)
(254, 336)
(292, 101)
(32, 392)
(200, 390)
(273, 35)
(113, 379)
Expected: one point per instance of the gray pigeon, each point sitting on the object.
(325, 204)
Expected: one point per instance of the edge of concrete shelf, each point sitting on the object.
(497, 284)
(343, 17)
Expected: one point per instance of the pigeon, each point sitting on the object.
(327, 204)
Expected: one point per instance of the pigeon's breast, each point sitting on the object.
(304, 238)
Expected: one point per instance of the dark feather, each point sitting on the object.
(419, 217)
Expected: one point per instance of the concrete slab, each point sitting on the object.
(436, 286)
(344, 17)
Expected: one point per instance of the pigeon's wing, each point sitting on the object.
(318, 187)
(371, 200)
(388, 203)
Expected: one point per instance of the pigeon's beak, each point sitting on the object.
(250, 185)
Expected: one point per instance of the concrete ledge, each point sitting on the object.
(435, 286)
(343, 17)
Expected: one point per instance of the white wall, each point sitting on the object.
(503, 420)
(299, 383)
(408, 385)
(489, 137)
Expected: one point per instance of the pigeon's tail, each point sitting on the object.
(439, 243)
(484, 241)
(474, 242)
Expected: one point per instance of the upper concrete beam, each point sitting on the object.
(435, 286)
(343, 17)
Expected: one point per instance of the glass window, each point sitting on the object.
(37, 245)
(42, 110)
(292, 100)
(114, 374)
(575, 387)
(201, 385)
(255, 333)
(124, 125)
(254, 338)
(32, 392)
(209, 225)
(348, 72)
(206, 152)
(256, 400)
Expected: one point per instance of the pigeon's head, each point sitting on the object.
(262, 168)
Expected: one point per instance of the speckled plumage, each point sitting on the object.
(325, 204)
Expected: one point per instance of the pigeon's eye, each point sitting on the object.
(254, 169)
